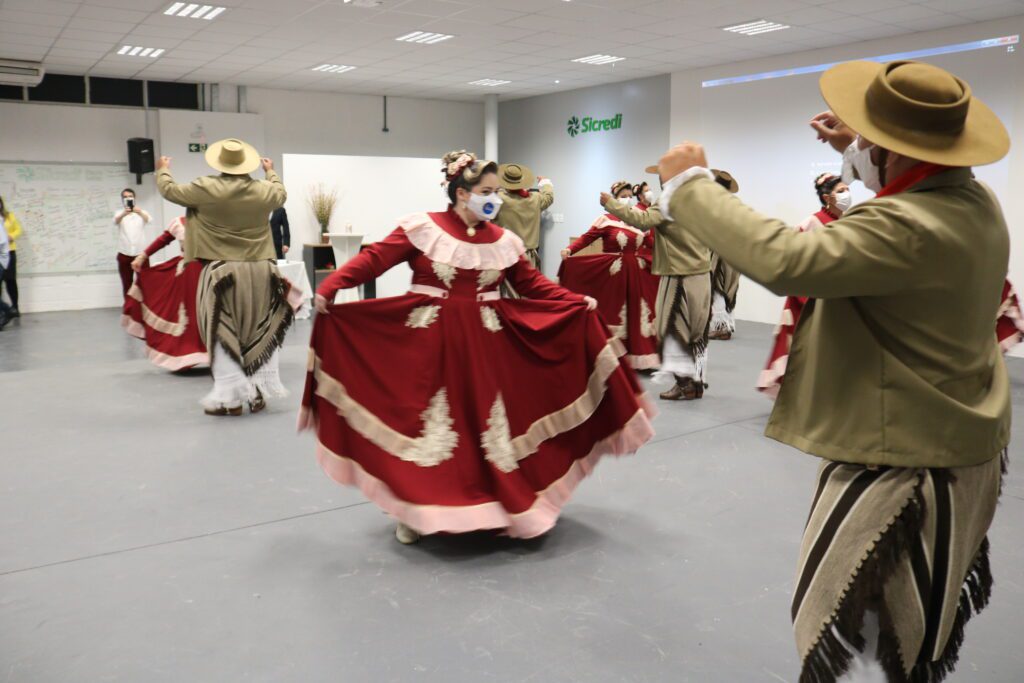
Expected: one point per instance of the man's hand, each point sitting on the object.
(833, 131)
(284, 249)
(566, 254)
(268, 164)
(139, 261)
(605, 198)
(591, 302)
(163, 162)
(136, 209)
(320, 303)
(681, 158)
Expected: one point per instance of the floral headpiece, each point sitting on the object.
(456, 168)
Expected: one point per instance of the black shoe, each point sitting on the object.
(14, 313)
(3, 320)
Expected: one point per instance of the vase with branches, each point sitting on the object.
(322, 202)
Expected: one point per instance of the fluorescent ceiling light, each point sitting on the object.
(194, 10)
(424, 38)
(489, 82)
(333, 68)
(753, 28)
(599, 60)
(139, 51)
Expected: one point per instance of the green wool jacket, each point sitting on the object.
(676, 252)
(896, 361)
(228, 215)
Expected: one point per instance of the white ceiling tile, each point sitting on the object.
(1006, 9)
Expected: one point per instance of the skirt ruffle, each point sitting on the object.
(457, 415)
(626, 294)
(160, 309)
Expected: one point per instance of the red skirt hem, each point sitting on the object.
(432, 519)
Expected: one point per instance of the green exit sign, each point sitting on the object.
(197, 146)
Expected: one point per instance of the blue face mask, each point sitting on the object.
(484, 207)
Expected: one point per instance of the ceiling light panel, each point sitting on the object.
(424, 38)
(140, 51)
(599, 60)
(333, 68)
(753, 28)
(489, 82)
(194, 10)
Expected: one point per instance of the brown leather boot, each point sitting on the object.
(686, 389)
(220, 412)
(258, 403)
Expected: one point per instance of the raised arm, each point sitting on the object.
(585, 240)
(189, 195)
(165, 238)
(638, 218)
(546, 192)
(872, 250)
(529, 282)
(275, 193)
(370, 263)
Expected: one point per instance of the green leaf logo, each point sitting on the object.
(574, 127)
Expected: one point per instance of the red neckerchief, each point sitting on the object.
(525, 194)
(642, 206)
(825, 217)
(912, 177)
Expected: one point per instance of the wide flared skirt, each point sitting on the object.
(160, 309)
(626, 294)
(458, 415)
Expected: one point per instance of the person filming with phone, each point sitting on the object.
(131, 236)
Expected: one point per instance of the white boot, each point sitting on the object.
(406, 535)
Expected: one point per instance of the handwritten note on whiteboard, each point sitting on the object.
(67, 212)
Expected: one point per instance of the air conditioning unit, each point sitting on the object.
(17, 72)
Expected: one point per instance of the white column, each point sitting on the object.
(491, 127)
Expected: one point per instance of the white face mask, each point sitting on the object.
(484, 207)
(860, 160)
(628, 201)
(844, 200)
(649, 197)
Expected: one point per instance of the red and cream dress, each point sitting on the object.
(620, 279)
(1009, 325)
(161, 307)
(454, 409)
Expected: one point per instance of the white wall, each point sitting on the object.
(759, 130)
(289, 121)
(300, 122)
(41, 132)
(534, 132)
(419, 179)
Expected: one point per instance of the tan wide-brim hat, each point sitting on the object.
(232, 156)
(725, 179)
(653, 170)
(916, 110)
(515, 177)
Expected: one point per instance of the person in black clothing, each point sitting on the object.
(280, 231)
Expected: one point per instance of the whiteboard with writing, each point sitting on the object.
(67, 212)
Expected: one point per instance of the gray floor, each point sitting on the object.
(143, 541)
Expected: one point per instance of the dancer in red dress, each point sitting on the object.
(452, 408)
(835, 199)
(160, 307)
(620, 279)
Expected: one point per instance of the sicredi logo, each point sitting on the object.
(591, 125)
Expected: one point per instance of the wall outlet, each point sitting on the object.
(558, 217)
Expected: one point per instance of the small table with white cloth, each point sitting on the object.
(295, 272)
